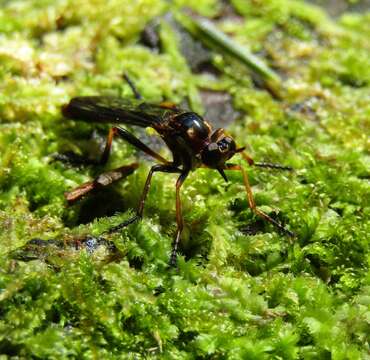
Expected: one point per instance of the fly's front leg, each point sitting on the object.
(131, 139)
(139, 213)
(179, 218)
(252, 203)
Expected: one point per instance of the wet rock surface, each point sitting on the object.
(338, 7)
(49, 249)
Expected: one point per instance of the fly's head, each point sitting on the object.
(221, 148)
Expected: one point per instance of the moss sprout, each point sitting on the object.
(241, 289)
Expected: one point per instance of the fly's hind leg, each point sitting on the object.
(109, 177)
(169, 168)
(113, 175)
(113, 131)
(131, 139)
(132, 87)
(99, 182)
(164, 104)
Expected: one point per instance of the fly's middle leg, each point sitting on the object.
(140, 210)
(179, 218)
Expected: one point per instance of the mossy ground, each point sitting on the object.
(235, 295)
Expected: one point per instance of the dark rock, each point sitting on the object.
(219, 108)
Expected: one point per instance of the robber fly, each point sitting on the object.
(189, 137)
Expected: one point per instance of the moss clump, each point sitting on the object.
(241, 291)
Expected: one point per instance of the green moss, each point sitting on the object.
(234, 295)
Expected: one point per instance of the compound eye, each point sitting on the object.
(223, 145)
(212, 147)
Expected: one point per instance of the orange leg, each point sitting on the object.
(252, 203)
(179, 218)
(131, 139)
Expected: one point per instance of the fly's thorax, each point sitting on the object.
(194, 125)
(192, 128)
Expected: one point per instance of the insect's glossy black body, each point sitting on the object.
(185, 133)
(189, 137)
